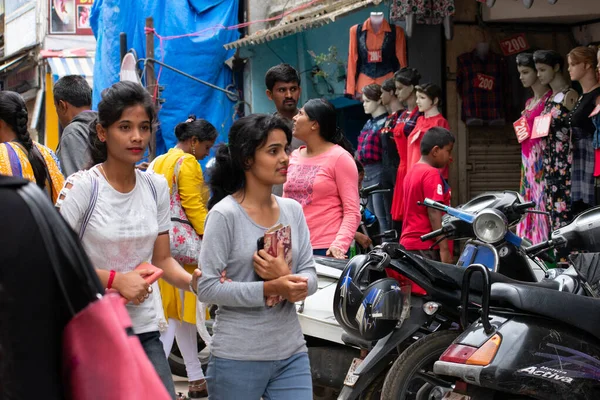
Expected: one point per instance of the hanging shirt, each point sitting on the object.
(374, 57)
(482, 86)
(370, 150)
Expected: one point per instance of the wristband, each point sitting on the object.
(192, 288)
(111, 278)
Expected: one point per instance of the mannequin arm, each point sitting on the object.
(352, 59)
(401, 47)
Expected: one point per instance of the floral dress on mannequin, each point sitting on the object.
(534, 226)
(557, 159)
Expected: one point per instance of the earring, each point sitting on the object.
(193, 150)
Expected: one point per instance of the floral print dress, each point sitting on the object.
(557, 159)
(534, 226)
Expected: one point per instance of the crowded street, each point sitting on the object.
(300, 199)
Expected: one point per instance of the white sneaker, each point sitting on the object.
(527, 3)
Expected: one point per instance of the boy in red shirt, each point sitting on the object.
(424, 180)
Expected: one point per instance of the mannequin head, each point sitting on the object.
(406, 79)
(371, 96)
(428, 97)
(582, 61)
(388, 91)
(548, 64)
(526, 68)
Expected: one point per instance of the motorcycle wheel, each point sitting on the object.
(405, 380)
(373, 392)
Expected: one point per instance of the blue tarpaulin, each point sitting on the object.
(201, 56)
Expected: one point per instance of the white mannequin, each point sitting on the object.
(553, 77)
(529, 79)
(427, 106)
(376, 21)
(406, 95)
(390, 101)
(584, 74)
(373, 107)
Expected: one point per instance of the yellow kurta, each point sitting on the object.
(194, 196)
(14, 162)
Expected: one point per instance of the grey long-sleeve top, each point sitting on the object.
(245, 329)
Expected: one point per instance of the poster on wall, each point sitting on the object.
(70, 17)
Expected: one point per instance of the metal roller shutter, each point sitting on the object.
(493, 160)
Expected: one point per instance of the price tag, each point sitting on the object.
(374, 56)
(514, 44)
(541, 126)
(485, 82)
(596, 111)
(414, 139)
(521, 129)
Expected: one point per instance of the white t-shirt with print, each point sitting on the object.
(123, 227)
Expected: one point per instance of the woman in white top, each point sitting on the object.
(122, 213)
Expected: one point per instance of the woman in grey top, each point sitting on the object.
(257, 351)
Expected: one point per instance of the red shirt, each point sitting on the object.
(422, 181)
(414, 140)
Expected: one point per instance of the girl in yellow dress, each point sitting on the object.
(195, 138)
(19, 154)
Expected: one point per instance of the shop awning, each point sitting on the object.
(319, 14)
(83, 66)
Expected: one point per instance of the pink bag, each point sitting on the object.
(102, 358)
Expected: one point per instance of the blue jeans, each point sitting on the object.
(379, 203)
(288, 379)
(156, 353)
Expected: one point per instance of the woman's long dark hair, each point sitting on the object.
(14, 113)
(323, 112)
(115, 100)
(246, 135)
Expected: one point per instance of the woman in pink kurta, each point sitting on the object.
(323, 178)
(534, 226)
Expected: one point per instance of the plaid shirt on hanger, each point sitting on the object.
(369, 141)
(482, 85)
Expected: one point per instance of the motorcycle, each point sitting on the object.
(532, 342)
(369, 225)
(435, 289)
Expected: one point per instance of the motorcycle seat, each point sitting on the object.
(457, 273)
(331, 262)
(571, 309)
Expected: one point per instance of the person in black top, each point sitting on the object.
(33, 312)
(582, 68)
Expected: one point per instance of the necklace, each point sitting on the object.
(104, 173)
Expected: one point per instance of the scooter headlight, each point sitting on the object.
(490, 226)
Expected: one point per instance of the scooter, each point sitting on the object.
(532, 342)
(435, 288)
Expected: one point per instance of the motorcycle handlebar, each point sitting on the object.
(524, 206)
(536, 248)
(366, 191)
(432, 235)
